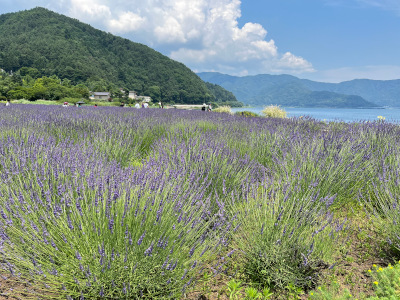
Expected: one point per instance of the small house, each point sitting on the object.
(100, 95)
(132, 95)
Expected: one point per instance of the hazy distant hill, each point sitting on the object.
(380, 92)
(58, 45)
(289, 90)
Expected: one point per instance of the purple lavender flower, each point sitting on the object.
(101, 294)
(111, 224)
(194, 264)
(139, 242)
(231, 253)
(165, 262)
(184, 274)
(149, 250)
(192, 251)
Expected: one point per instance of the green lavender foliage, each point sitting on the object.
(139, 203)
(286, 239)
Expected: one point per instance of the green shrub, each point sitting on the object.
(246, 114)
(214, 105)
(386, 282)
(42, 102)
(274, 111)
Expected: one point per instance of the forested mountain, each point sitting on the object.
(58, 45)
(289, 90)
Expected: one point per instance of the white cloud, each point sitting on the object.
(383, 72)
(203, 34)
(89, 10)
(295, 62)
(170, 31)
(127, 22)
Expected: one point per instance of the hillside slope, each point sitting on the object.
(58, 45)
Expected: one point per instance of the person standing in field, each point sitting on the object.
(209, 107)
(8, 103)
(145, 105)
(137, 105)
(203, 108)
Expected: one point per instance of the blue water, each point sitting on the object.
(337, 114)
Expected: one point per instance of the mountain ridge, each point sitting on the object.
(262, 90)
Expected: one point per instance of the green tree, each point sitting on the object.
(155, 93)
(32, 72)
(18, 93)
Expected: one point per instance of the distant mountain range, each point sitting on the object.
(287, 90)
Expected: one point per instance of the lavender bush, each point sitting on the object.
(96, 229)
(382, 201)
(74, 220)
(123, 203)
(305, 154)
(285, 239)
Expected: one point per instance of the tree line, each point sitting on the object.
(27, 84)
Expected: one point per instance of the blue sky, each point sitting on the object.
(324, 40)
(337, 37)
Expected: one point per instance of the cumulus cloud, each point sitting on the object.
(126, 22)
(89, 9)
(203, 34)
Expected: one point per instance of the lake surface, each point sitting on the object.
(337, 114)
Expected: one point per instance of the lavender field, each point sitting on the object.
(117, 203)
